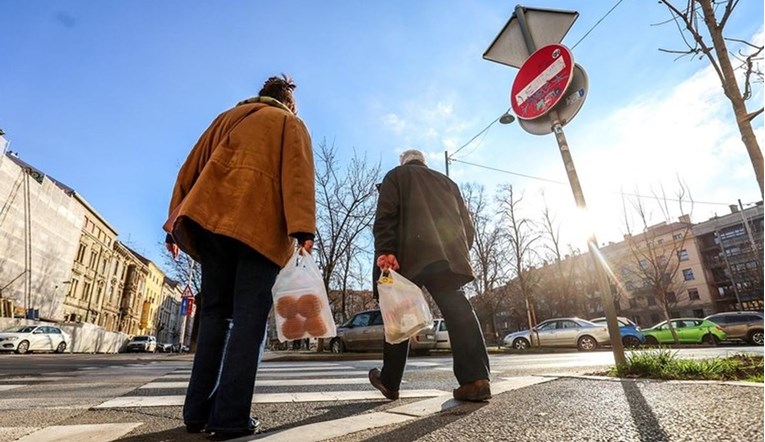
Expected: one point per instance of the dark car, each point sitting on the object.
(746, 326)
(364, 331)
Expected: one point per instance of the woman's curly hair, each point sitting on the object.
(280, 88)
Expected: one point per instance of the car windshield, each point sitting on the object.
(140, 338)
(20, 329)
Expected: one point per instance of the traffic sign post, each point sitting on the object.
(534, 99)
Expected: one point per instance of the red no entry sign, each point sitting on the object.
(542, 81)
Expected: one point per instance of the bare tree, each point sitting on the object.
(656, 253)
(489, 256)
(346, 204)
(522, 237)
(700, 21)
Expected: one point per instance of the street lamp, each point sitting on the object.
(505, 118)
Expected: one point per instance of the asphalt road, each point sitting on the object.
(138, 397)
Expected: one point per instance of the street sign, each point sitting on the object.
(541, 82)
(546, 27)
(567, 108)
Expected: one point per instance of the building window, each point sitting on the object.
(633, 303)
(81, 253)
(654, 318)
(93, 259)
(644, 264)
(86, 291)
(73, 288)
(693, 294)
(688, 274)
(671, 298)
(677, 236)
(698, 313)
(682, 255)
(651, 300)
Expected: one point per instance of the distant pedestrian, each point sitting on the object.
(244, 194)
(423, 230)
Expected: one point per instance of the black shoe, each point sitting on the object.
(374, 379)
(227, 435)
(195, 428)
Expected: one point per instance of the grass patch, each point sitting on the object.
(664, 364)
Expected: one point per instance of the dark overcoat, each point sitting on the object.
(422, 219)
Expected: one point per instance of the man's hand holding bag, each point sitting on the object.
(403, 306)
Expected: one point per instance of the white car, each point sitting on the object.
(26, 338)
(442, 335)
(143, 343)
(560, 332)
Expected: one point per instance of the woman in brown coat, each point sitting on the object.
(244, 194)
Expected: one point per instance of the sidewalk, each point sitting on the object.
(567, 408)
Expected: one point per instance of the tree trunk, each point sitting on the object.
(732, 91)
(669, 324)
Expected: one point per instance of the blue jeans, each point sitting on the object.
(236, 301)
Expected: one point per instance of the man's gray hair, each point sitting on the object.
(412, 155)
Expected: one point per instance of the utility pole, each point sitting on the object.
(446, 162)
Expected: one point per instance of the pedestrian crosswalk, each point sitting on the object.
(94, 397)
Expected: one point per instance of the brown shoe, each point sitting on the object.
(476, 391)
(374, 379)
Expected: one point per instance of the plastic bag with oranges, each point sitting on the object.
(300, 301)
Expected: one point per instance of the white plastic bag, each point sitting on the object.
(301, 306)
(403, 307)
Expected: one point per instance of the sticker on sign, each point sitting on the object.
(542, 81)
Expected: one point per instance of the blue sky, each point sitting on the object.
(109, 97)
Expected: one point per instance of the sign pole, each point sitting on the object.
(592, 244)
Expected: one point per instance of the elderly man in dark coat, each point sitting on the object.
(423, 228)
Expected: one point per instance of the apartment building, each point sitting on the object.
(731, 248)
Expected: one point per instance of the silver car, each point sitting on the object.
(365, 332)
(560, 332)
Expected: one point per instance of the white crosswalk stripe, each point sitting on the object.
(128, 387)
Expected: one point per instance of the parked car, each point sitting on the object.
(364, 332)
(142, 343)
(442, 335)
(689, 331)
(560, 332)
(631, 334)
(26, 338)
(740, 325)
(165, 347)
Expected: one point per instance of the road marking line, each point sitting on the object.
(273, 383)
(268, 398)
(313, 364)
(271, 375)
(422, 364)
(77, 433)
(285, 369)
(336, 428)
(31, 378)
(11, 387)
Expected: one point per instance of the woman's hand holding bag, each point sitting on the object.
(301, 305)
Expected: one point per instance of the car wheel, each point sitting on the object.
(61, 347)
(631, 342)
(521, 344)
(336, 346)
(23, 347)
(756, 338)
(650, 341)
(587, 343)
(710, 339)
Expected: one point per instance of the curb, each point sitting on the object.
(668, 381)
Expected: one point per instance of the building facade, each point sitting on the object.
(40, 224)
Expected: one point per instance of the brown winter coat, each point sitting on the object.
(422, 219)
(249, 177)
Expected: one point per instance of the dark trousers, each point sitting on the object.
(236, 282)
(471, 361)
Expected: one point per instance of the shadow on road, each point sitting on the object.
(646, 423)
